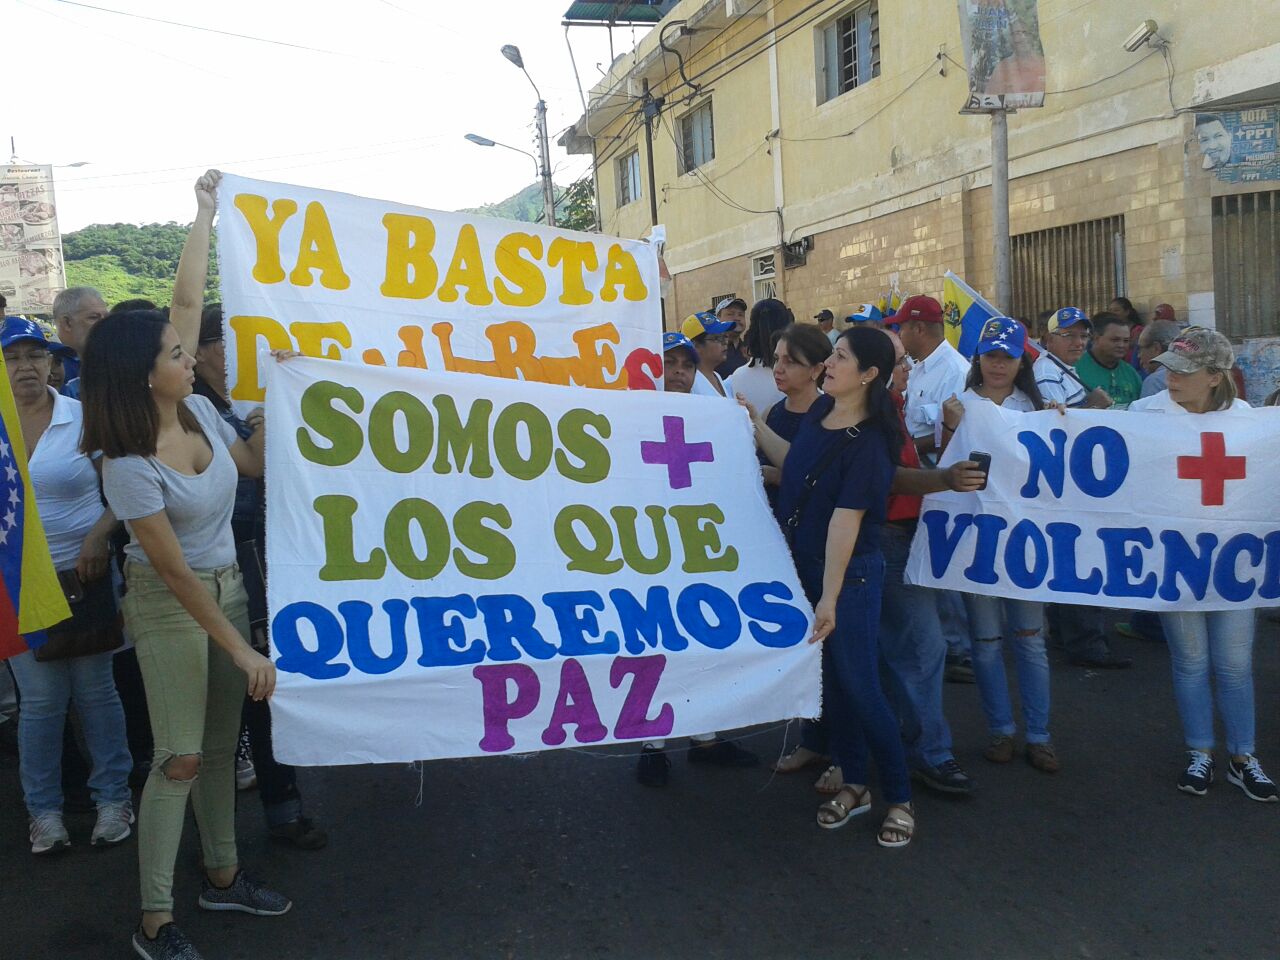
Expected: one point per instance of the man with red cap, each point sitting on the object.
(938, 374)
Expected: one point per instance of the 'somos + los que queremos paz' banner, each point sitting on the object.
(344, 277)
(1132, 510)
(462, 566)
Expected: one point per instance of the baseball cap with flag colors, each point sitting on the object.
(675, 340)
(1066, 317)
(866, 312)
(696, 324)
(1002, 333)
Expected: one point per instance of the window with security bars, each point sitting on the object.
(1078, 265)
(697, 138)
(764, 277)
(1246, 264)
(628, 177)
(849, 53)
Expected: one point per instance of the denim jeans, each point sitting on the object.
(194, 696)
(988, 616)
(913, 654)
(46, 690)
(856, 714)
(1222, 639)
(954, 620)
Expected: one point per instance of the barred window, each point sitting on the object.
(849, 53)
(697, 138)
(1246, 264)
(1077, 265)
(628, 177)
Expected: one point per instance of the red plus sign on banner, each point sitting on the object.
(1212, 468)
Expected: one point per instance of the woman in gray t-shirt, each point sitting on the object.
(170, 466)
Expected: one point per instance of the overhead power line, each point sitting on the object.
(240, 36)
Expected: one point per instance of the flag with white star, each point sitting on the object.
(30, 596)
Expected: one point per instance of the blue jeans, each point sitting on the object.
(1026, 623)
(913, 654)
(1223, 639)
(857, 715)
(954, 622)
(46, 689)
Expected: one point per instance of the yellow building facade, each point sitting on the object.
(815, 151)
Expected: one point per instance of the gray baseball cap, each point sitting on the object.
(1198, 348)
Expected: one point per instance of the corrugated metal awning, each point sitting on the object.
(619, 11)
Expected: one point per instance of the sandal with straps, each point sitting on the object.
(830, 781)
(842, 811)
(795, 761)
(895, 824)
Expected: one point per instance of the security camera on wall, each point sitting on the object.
(1144, 32)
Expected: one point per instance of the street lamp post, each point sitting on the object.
(480, 141)
(512, 53)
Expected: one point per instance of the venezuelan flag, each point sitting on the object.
(965, 313)
(30, 596)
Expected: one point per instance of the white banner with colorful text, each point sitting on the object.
(461, 566)
(1131, 510)
(345, 277)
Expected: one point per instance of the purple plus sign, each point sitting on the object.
(675, 453)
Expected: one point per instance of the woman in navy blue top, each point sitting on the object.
(835, 540)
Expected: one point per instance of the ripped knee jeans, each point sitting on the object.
(1020, 624)
(194, 695)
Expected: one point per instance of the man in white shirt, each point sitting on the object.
(938, 374)
(1066, 334)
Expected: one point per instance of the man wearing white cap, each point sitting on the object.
(734, 310)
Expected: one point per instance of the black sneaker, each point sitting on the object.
(946, 777)
(301, 833)
(1198, 775)
(654, 767)
(722, 753)
(1248, 776)
(245, 895)
(169, 944)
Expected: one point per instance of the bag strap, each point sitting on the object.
(811, 478)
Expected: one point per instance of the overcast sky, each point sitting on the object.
(382, 114)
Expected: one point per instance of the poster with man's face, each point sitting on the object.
(1239, 146)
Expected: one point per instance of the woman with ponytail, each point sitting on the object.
(836, 476)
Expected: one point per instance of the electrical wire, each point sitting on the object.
(885, 106)
(720, 174)
(714, 190)
(240, 36)
(1094, 83)
(215, 166)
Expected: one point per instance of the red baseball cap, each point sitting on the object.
(1164, 312)
(919, 307)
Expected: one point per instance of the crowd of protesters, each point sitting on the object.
(149, 488)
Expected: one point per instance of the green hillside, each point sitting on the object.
(125, 261)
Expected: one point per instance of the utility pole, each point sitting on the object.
(544, 164)
(1000, 210)
(652, 107)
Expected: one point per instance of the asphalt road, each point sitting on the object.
(563, 855)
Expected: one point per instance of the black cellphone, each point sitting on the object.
(983, 460)
(72, 588)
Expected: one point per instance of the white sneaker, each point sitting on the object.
(114, 821)
(48, 833)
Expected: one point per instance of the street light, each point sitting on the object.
(480, 141)
(512, 53)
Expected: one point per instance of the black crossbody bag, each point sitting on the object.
(811, 479)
